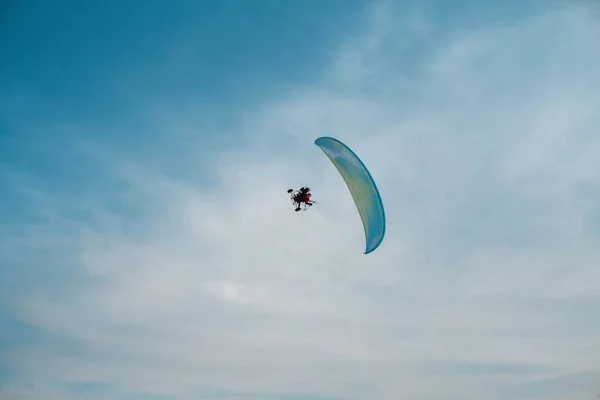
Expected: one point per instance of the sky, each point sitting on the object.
(149, 250)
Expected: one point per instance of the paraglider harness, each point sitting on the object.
(300, 197)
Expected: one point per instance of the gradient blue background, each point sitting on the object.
(145, 150)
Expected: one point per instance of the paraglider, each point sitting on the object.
(362, 187)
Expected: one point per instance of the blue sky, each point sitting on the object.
(149, 251)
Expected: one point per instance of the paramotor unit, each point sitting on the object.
(301, 197)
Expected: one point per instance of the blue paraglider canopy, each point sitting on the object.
(362, 187)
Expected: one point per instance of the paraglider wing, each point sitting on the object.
(362, 188)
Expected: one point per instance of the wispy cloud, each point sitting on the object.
(169, 283)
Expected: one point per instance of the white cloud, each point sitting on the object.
(490, 258)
